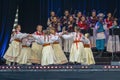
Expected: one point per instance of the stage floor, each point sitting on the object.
(60, 72)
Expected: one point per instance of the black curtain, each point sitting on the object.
(7, 15)
(34, 12)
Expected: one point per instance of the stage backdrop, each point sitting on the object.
(34, 12)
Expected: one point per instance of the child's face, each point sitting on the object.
(18, 28)
(115, 23)
(39, 28)
(70, 18)
(52, 31)
(93, 13)
(79, 14)
(52, 13)
(66, 13)
(83, 18)
(109, 15)
(54, 19)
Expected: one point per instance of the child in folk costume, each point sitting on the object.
(15, 46)
(100, 34)
(48, 56)
(83, 25)
(70, 28)
(88, 52)
(26, 51)
(77, 50)
(113, 41)
(93, 20)
(109, 22)
(36, 47)
(59, 54)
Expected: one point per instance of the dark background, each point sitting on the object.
(34, 12)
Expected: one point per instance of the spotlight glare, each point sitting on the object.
(40, 67)
(113, 66)
(59, 66)
(10, 67)
(37, 67)
(33, 67)
(44, 67)
(109, 67)
(7, 67)
(52, 67)
(18, 67)
(82, 67)
(105, 66)
(48, 67)
(3, 67)
(56, 67)
(86, 66)
(71, 67)
(117, 67)
(67, 67)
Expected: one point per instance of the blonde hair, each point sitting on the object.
(87, 35)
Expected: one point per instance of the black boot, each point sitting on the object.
(100, 54)
(16, 63)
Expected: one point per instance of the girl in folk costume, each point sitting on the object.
(64, 21)
(50, 19)
(88, 52)
(93, 20)
(48, 56)
(69, 28)
(37, 47)
(100, 34)
(113, 44)
(15, 46)
(59, 54)
(78, 18)
(77, 50)
(83, 25)
(109, 22)
(26, 51)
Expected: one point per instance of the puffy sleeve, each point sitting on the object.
(86, 41)
(39, 39)
(12, 38)
(54, 38)
(82, 38)
(105, 27)
(21, 35)
(68, 36)
(36, 36)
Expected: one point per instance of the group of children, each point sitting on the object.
(44, 47)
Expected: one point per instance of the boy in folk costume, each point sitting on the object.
(48, 56)
(77, 50)
(36, 47)
(88, 52)
(15, 46)
(59, 54)
(26, 51)
(100, 34)
(113, 44)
